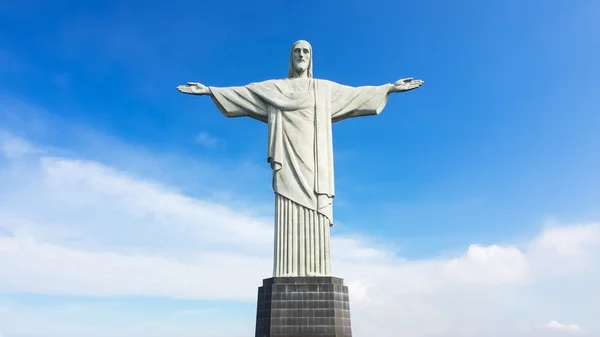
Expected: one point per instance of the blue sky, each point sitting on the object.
(497, 154)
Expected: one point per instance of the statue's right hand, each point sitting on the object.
(194, 88)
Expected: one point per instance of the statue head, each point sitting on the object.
(301, 60)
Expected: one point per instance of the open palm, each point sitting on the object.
(406, 84)
(194, 88)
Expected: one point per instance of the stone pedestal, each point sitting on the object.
(303, 307)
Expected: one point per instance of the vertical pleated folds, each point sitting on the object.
(302, 240)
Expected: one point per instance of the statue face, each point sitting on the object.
(301, 56)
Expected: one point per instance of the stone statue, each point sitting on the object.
(299, 111)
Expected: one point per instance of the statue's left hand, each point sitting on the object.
(406, 84)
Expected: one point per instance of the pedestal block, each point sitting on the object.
(303, 307)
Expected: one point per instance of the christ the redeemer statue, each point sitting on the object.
(299, 111)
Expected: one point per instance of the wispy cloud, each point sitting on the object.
(206, 139)
(11, 146)
(556, 326)
(195, 312)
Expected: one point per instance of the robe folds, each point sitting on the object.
(299, 113)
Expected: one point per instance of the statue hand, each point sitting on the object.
(194, 88)
(406, 84)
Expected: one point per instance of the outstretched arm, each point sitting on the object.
(348, 102)
(231, 101)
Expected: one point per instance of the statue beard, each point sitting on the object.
(295, 72)
(301, 68)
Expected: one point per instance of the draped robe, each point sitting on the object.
(299, 113)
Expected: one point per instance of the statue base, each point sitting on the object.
(303, 307)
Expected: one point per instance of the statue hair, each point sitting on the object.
(309, 70)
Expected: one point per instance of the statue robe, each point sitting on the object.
(299, 113)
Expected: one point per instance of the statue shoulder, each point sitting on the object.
(326, 82)
(270, 83)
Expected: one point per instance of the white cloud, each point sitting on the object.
(82, 183)
(83, 228)
(75, 205)
(76, 226)
(568, 243)
(12, 147)
(87, 229)
(554, 325)
(31, 266)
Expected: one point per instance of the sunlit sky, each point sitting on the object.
(469, 206)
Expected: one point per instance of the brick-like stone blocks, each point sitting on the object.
(303, 307)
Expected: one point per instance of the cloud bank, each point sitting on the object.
(73, 227)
